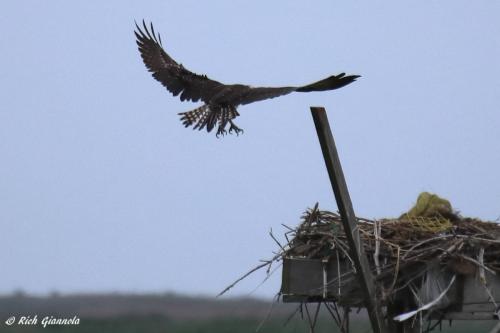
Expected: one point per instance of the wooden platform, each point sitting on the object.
(314, 280)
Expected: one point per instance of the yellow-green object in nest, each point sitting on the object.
(431, 205)
(426, 224)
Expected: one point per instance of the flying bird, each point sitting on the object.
(220, 100)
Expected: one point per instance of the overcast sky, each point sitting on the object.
(103, 189)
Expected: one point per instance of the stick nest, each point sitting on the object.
(390, 244)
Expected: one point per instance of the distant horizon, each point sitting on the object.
(22, 293)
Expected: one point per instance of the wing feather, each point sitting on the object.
(254, 94)
(176, 78)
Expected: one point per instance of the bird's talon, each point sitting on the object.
(221, 132)
(235, 128)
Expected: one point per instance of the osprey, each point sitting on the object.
(221, 100)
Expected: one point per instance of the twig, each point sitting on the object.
(396, 270)
(450, 248)
(376, 232)
(477, 262)
(274, 238)
(290, 317)
(247, 274)
(424, 242)
(336, 315)
(416, 276)
(407, 315)
(339, 276)
(494, 241)
(275, 300)
(345, 320)
(482, 274)
(268, 275)
(309, 321)
(316, 314)
(289, 228)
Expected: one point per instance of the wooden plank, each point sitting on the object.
(346, 210)
(302, 277)
(306, 279)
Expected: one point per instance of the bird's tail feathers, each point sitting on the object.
(330, 83)
(198, 118)
(209, 116)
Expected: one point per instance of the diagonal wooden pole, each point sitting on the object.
(346, 210)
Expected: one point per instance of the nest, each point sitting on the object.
(430, 246)
(415, 259)
(454, 243)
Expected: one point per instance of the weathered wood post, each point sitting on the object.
(346, 210)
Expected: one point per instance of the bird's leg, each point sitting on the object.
(221, 131)
(234, 128)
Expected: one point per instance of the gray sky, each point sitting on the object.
(103, 189)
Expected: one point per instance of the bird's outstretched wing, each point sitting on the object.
(330, 83)
(176, 78)
(255, 94)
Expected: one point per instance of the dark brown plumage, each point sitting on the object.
(220, 100)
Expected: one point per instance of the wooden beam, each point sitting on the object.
(346, 210)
